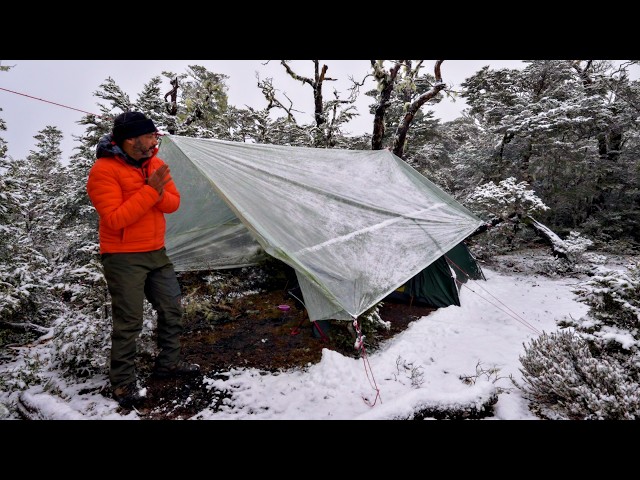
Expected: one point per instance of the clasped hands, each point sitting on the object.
(159, 178)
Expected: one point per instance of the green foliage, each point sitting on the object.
(33, 371)
(577, 245)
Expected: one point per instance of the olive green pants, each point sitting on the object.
(130, 278)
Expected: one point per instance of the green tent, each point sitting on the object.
(438, 285)
(354, 224)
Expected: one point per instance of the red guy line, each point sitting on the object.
(48, 101)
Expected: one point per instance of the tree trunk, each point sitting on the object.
(557, 245)
(403, 128)
(386, 82)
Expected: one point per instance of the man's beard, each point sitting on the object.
(144, 152)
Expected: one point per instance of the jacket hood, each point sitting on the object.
(108, 148)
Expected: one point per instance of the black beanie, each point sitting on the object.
(131, 124)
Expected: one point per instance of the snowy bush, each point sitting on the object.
(613, 320)
(81, 344)
(613, 238)
(563, 380)
(147, 341)
(503, 238)
(553, 267)
(506, 199)
(363, 333)
(575, 247)
(577, 261)
(594, 259)
(507, 204)
(30, 372)
(577, 244)
(591, 369)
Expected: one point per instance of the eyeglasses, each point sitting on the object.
(155, 135)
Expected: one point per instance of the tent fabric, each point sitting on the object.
(439, 284)
(434, 286)
(354, 224)
(464, 264)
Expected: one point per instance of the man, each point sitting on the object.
(132, 189)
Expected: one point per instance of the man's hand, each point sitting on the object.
(159, 178)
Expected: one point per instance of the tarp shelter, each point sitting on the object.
(354, 224)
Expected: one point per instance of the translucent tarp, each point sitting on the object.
(355, 225)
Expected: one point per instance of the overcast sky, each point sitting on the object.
(71, 84)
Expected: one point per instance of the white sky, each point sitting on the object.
(497, 318)
(72, 83)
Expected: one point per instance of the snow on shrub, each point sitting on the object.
(590, 369)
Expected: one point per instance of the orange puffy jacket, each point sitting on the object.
(131, 214)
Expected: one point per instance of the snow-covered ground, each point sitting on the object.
(457, 357)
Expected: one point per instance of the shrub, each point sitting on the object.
(590, 369)
(563, 380)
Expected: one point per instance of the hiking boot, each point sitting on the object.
(128, 396)
(181, 368)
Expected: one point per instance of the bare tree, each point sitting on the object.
(320, 76)
(330, 115)
(172, 106)
(269, 92)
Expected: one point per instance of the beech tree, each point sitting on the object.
(402, 84)
(564, 128)
(452, 155)
(201, 104)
